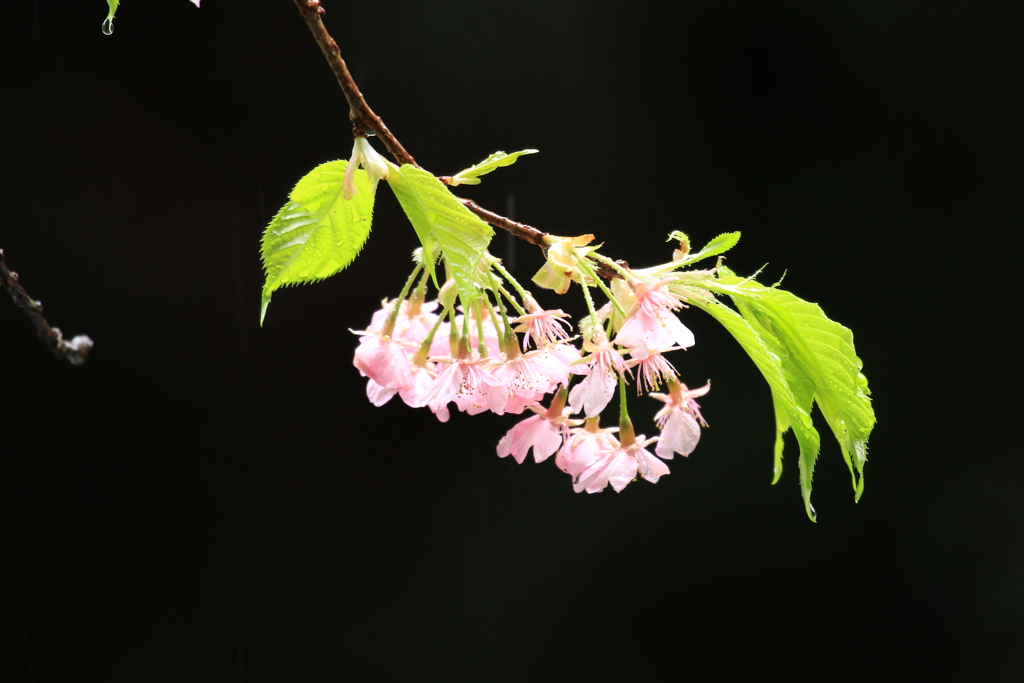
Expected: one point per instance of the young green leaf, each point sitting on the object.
(814, 358)
(822, 350)
(318, 232)
(471, 176)
(719, 245)
(440, 219)
(790, 398)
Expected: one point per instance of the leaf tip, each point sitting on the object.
(811, 514)
(263, 306)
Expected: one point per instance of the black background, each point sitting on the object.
(206, 500)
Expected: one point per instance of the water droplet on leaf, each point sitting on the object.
(108, 26)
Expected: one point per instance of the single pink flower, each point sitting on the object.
(584, 452)
(651, 324)
(595, 458)
(652, 371)
(620, 465)
(602, 376)
(466, 383)
(422, 379)
(384, 361)
(543, 432)
(678, 420)
(543, 327)
(536, 432)
(422, 376)
(613, 466)
(648, 466)
(528, 377)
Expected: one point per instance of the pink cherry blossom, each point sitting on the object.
(651, 324)
(620, 465)
(652, 371)
(602, 376)
(466, 383)
(584, 457)
(542, 432)
(422, 379)
(377, 394)
(528, 377)
(536, 432)
(678, 420)
(384, 361)
(648, 466)
(545, 328)
(595, 458)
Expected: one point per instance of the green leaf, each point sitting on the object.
(806, 358)
(108, 23)
(719, 245)
(318, 232)
(471, 175)
(791, 402)
(440, 220)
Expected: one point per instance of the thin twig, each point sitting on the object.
(520, 230)
(359, 111)
(74, 351)
(363, 117)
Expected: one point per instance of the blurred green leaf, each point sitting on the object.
(108, 23)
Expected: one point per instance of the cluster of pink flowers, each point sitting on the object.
(480, 360)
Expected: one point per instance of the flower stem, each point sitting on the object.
(590, 302)
(626, 435)
(496, 263)
(590, 274)
(389, 324)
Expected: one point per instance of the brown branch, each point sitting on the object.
(363, 117)
(359, 111)
(520, 230)
(74, 351)
(606, 271)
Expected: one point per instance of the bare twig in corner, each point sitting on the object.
(74, 351)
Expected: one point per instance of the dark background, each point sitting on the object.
(206, 500)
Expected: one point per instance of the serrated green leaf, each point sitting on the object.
(790, 400)
(818, 363)
(318, 232)
(440, 220)
(471, 176)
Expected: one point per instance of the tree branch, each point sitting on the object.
(520, 230)
(359, 111)
(363, 117)
(74, 351)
